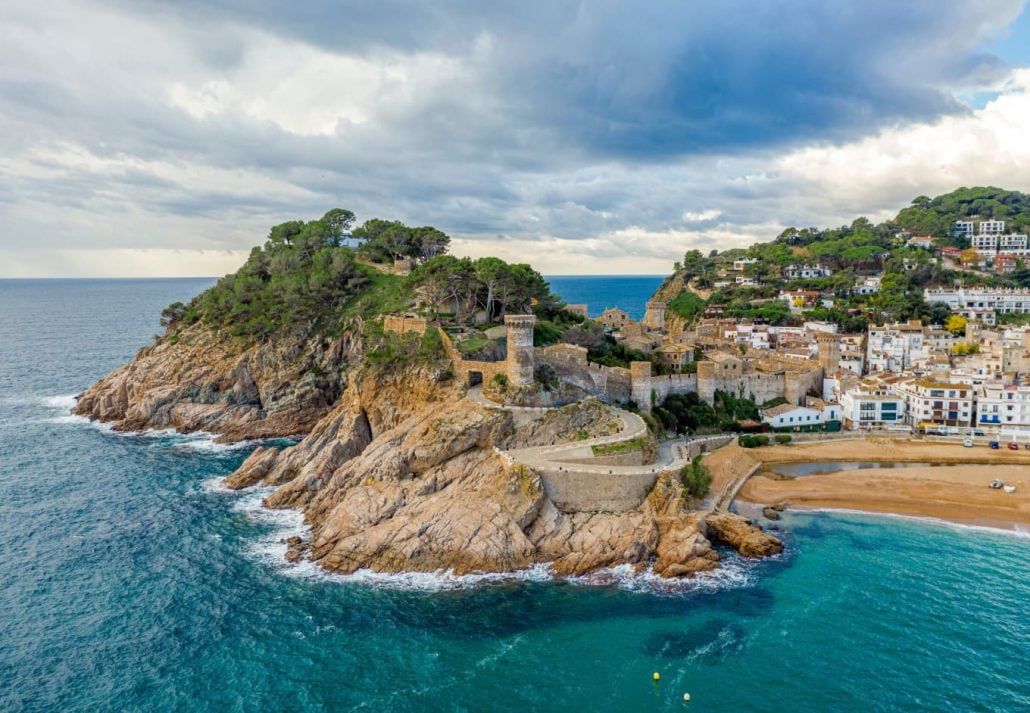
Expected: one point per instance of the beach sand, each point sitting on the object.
(956, 492)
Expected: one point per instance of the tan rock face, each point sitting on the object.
(432, 493)
(206, 381)
(737, 532)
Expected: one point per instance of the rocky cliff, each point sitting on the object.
(404, 475)
(202, 380)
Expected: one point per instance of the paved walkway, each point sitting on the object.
(672, 455)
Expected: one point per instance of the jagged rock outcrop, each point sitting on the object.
(740, 534)
(202, 380)
(431, 491)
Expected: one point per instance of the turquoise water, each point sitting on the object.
(130, 581)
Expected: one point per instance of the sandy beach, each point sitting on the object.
(956, 492)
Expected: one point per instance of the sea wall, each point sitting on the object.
(591, 489)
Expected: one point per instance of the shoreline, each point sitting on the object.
(953, 490)
(1001, 528)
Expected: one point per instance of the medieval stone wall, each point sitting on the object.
(400, 325)
(609, 383)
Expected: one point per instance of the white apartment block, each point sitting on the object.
(991, 244)
(742, 262)
(932, 402)
(794, 272)
(872, 406)
(1004, 406)
(963, 228)
(989, 227)
(982, 302)
(895, 347)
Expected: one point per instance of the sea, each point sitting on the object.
(131, 580)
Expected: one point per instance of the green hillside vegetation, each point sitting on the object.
(304, 280)
(934, 216)
(852, 251)
(300, 280)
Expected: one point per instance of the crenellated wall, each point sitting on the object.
(649, 389)
(610, 383)
(741, 378)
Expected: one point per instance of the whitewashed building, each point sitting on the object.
(895, 347)
(872, 405)
(933, 402)
(1004, 406)
(982, 302)
(789, 416)
(795, 272)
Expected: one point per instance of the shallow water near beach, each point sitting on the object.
(131, 580)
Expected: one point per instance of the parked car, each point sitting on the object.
(1013, 446)
(995, 445)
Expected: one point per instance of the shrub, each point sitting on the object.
(783, 439)
(546, 376)
(501, 383)
(696, 479)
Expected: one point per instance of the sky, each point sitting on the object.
(164, 138)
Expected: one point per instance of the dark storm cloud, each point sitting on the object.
(519, 120)
(659, 79)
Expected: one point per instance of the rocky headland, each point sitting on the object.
(397, 469)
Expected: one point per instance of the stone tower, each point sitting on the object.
(654, 317)
(520, 348)
(829, 351)
(640, 384)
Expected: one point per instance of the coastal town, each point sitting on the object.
(964, 377)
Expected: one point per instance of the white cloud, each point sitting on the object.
(880, 174)
(700, 216)
(608, 140)
(310, 92)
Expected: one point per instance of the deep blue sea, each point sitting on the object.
(599, 292)
(129, 581)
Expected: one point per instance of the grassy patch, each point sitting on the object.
(687, 305)
(607, 449)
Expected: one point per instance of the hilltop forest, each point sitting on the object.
(852, 252)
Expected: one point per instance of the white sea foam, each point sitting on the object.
(1018, 531)
(217, 485)
(65, 402)
(732, 573)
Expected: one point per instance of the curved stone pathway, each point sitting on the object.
(672, 455)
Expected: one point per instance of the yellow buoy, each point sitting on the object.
(686, 697)
(655, 676)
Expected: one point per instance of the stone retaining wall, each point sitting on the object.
(586, 490)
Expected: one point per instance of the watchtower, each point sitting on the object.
(654, 317)
(520, 348)
(829, 351)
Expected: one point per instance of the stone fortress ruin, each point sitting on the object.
(763, 377)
